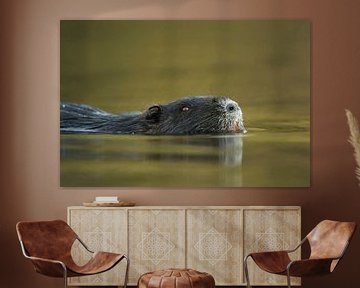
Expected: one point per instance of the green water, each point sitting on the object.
(130, 65)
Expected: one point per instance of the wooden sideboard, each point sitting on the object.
(212, 239)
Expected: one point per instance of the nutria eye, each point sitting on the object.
(185, 108)
(231, 107)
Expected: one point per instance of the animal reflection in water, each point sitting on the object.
(225, 150)
(186, 116)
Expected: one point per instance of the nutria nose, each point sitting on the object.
(231, 107)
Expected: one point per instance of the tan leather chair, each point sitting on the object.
(48, 245)
(328, 242)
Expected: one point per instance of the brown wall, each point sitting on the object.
(29, 98)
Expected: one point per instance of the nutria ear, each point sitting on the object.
(153, 113)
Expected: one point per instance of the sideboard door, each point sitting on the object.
(269, 230)
(214, 244)
(101, 230)
(156, 240)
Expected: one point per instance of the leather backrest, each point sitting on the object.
(329, 238)
(47, 239)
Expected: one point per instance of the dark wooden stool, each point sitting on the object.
(176, 278)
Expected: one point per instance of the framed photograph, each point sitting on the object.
(185, 103)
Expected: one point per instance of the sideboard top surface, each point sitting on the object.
(193, 207)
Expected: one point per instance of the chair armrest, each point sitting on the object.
(271, 261)
(45, 260)
(84, 245)
(298, 246)
(280, 251)
(308, 267)
(48, 267)
(268, 253)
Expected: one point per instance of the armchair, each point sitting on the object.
(48, 245)
(328, 242)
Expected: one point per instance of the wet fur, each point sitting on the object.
(189, 115)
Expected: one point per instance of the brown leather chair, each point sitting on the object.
(328, 242)
(48, 245)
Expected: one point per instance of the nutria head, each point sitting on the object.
(195, 115)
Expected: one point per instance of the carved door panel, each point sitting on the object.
(214, 244)
(267, 230)
(156, 240)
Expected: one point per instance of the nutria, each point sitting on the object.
(188, 115)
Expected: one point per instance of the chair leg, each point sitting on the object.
(246, 270)
(288, 278)
(127, 271)
(65, 276)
